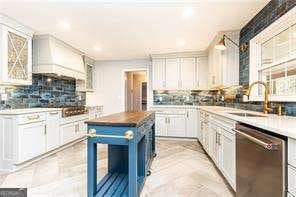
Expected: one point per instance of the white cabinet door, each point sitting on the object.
(228, 156)
(188, 72)
(202, 72)
(216, 144)
(172, 74)
(191, 123)
(206, 138)
(69, 132)
(176, 125)
(158, 74)
(53, 130)
(31, 141)
(82, 128)
(160, 125)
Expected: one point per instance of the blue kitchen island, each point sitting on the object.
(131, 148)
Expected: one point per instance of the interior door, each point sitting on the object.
(188, 75)
(160, 125)
(172, 74)
(158, 74)
(176, 125)
(32, 141)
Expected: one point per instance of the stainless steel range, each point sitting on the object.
(74, 111)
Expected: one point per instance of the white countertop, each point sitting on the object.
(283, 125)
(26, 111)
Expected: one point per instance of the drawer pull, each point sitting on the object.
(53, 113)
(33, 117)
(127, 135)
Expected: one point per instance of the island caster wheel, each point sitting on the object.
(149, 173)
(154, 154)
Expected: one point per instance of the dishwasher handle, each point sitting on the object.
(269, 146)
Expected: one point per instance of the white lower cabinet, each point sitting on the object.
(69, 132)
(218, 140)
(176, 125)
(228, 156)
(53, 130)
(160, 125)
(176, 122)
(31, 141)
(191, 123)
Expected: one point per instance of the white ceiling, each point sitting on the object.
(132, 29)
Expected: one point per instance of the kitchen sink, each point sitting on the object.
(246, 114)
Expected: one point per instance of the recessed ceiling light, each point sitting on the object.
(97, 48)
(187, 12)
(181, 43)
(64, 25)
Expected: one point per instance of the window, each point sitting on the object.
(273, 59)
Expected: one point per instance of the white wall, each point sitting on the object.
(108, 83)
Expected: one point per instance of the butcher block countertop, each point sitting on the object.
(128, 118)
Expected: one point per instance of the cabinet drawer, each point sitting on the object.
(292, 152)
(53, 115)
(29, 118)
(292, 180)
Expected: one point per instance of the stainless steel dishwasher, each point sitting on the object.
(260, 163)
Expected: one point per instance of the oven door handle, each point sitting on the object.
(269, 146)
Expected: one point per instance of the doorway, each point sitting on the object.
(135, 90)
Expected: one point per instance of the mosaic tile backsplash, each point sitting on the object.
(44, 93)
(216, 98)
(185, 98)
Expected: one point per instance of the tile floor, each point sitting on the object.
(181, 169)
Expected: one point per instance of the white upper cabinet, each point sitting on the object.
(188, 74)
(202, 72)
(224, 65)
(158, 69)
(15, 53)
(172, 74)
(87, 84)
(180, 73)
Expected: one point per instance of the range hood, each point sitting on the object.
(52, 56)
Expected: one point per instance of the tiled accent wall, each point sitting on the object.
(271, 12)
(44, 93)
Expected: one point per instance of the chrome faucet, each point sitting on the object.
(266, 109)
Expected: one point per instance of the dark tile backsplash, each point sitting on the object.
(216, 98)
(44, 93)
(185, 97)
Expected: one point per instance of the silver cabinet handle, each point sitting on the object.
(45, 129)
(187, 114)
(53, 113)
(129, 135)
(265, 145)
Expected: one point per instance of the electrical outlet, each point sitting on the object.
(4, 97)
(2, 90)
